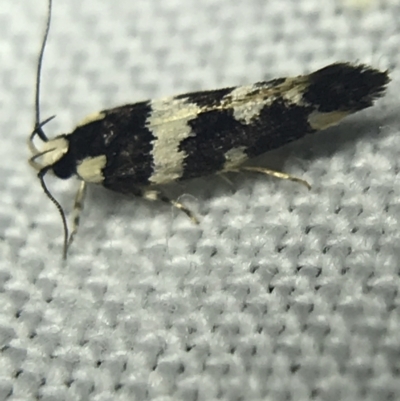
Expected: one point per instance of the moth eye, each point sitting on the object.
(65, 167)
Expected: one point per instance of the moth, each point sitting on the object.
(134, 148)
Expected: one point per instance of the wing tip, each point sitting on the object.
(345, 87)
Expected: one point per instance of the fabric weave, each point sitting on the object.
(279, 293)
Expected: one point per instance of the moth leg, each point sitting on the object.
(76, 212)
(273, 173)
(156, 195)
(223, 176)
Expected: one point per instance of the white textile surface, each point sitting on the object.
(279, 293)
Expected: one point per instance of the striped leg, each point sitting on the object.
(76, 212)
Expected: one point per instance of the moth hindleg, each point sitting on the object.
(272, 173)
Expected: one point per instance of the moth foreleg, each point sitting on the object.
(272, 173)
(76, 212)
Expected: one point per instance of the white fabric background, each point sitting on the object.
(279, 293)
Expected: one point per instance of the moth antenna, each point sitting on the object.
(41, 175)
(38, 126)
(32, 147)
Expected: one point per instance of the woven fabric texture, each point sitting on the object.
(279, 293)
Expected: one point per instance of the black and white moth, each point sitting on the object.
(133, 148)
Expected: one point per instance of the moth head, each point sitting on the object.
(50, 155)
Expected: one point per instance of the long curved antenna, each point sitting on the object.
(31, 145)
(41, 175)
(38, 126)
